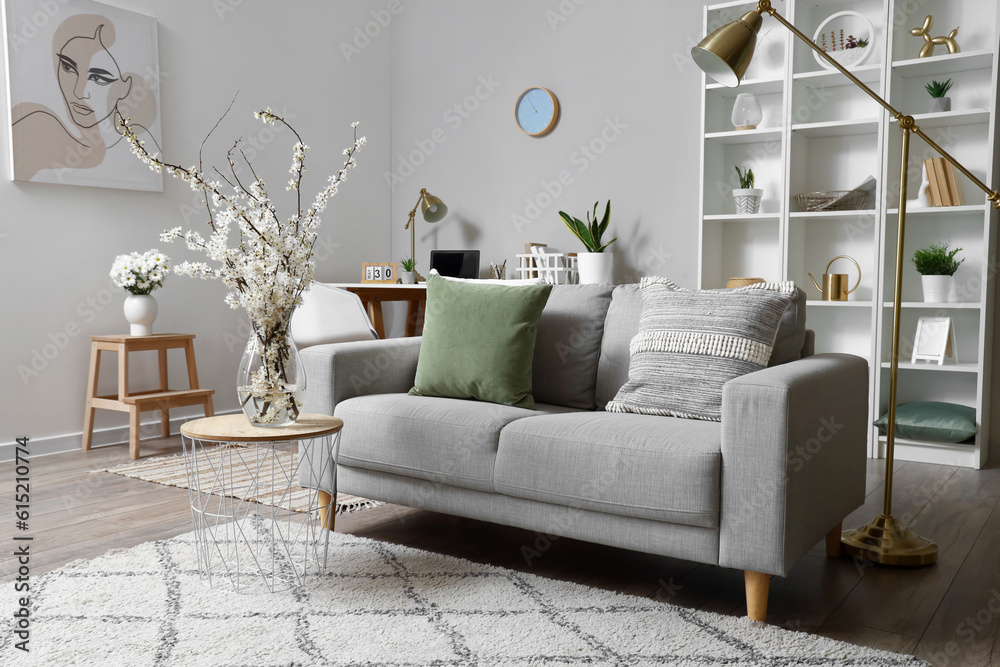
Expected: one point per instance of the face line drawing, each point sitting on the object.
(83, 94)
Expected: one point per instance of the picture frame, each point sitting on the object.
(934, 340)
(831, 36)
(379, 272)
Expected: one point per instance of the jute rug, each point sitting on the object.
(380, 604)
(169, 470)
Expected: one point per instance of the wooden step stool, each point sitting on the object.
(135, 404)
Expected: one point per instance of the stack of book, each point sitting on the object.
(943, 190)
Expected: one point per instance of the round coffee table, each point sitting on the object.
(263, 500)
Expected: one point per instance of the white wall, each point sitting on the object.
(629, 128)
(57, 242)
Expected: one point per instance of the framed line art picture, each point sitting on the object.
(74, 67)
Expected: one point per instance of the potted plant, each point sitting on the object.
(140, 274)
(595, 266)
(747, 197)
(936, 265)
(938, 90)
(408, 264)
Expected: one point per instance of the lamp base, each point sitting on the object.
(417, 278)
(884, 541)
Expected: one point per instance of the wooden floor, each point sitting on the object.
(948, 614)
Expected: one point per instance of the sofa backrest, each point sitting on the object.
(623, 323)
(568, 345)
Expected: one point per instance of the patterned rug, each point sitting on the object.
(169, 470)
(379, 604)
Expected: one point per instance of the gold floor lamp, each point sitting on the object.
(433, 209)
(724, 56)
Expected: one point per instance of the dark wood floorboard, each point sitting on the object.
(948, 614)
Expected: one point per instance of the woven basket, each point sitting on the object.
(742, 282)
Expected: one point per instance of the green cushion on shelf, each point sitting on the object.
(479, 341)
(932, 420)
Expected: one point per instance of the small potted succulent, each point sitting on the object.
(936, 265)
(595, 266)
(747, 197)
(407, 264)
(938, 90)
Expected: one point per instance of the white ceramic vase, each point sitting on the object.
(140, 311)
(936, 288)
(595, 268)
(747, 200)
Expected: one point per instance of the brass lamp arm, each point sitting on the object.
(905, 121)
(413, 213)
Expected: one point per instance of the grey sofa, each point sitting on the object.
(754, 492)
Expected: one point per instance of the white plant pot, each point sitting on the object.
(140, 311)
(936, 288)
(595, 267)
(940, 104)
(747, 200)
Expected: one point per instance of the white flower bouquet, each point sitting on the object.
(140, 273)
(267, 264)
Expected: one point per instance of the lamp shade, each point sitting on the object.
(432, 208)
(725, 54)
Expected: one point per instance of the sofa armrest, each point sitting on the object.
(339, 371)
(794, 441)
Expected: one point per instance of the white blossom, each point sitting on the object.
(140, 273)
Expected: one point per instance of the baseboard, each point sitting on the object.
(118, 435)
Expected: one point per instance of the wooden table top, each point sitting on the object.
(236, 428)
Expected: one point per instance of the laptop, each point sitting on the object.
(456, 263)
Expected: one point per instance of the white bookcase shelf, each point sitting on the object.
(822, 133)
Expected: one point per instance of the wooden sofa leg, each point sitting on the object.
(833, 540)
(757, 587)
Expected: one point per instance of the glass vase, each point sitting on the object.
(271, 381)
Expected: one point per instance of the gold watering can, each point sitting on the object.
(835, 284)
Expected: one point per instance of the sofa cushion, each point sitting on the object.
(443, 440)
(691, 343)
(623, 324)
(564, 370)
(657, 468)
(478, 341)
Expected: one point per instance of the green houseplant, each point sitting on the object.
(594, 265)
(938, 90)
(407, 264)
(747, 197)
(936, 265)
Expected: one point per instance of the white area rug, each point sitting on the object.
(380, 604)
(169, 470)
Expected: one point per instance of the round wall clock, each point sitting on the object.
(537, 111)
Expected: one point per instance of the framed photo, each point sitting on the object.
(74, 67)
(379, 272)
(935, 340)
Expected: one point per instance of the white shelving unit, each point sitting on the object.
(820, 132)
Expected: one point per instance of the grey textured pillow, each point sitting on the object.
(691, 343)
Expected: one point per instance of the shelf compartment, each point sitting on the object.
(943, 64)
(837, 128)
(736, 217)
(912, 211)
(941, 453)
(950, 118)
(819, 303)
(755, 86)
(740, 247)
(846, 330)
(961, 367)
(964, 305)
(740, 137)
(868, 74)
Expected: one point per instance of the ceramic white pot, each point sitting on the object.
(595, 268)
(140, 311)
(747, 200)
(936, 288)
(940, 104)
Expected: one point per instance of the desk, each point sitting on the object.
(373, 294)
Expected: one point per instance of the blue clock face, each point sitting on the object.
(537, 111)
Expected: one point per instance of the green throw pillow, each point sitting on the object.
(479, 341)
(931, 420)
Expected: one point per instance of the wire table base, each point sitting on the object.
(246, 541)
